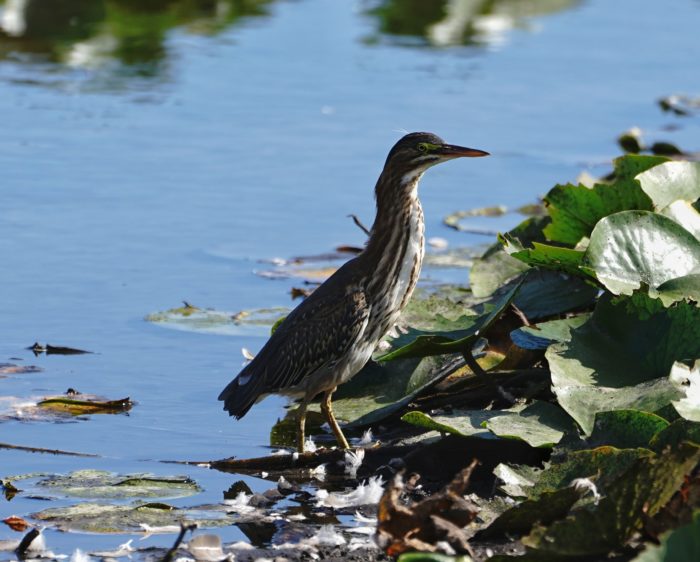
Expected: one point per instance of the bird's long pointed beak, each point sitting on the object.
(461, 151)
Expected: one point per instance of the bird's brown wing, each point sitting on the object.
(315, 335)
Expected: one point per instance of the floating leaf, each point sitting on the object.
(630, 500)
(621, 357)
(546, 293)
(540, 425)
(466, 423)
(102, 484)
(583, 402)
(684, 214)
(686, 287)
(466, 332)
(495, 268)
(631, 141)
(520, 518)
(671, 181)
(680, 430)
(632, 248)
(435, 307)
(191, 318)
(605, 464)
(542, 335)
(680, 544)
(12, 369)
(516, 479)
(380, 390)
(576, 209)
(85, 405)
(546, 256)
(688, 379)
(454, 257)
(679, 104)
(107, 518)
(432, 557)
(453, 220)
(626, 429)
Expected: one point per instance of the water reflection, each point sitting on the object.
(94, 33)
(457, 22)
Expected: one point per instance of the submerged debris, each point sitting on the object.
(12, 369)
(49, 349)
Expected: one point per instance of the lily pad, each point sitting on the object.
(462, 336)
(626, 428)
(102, 484)
(12, 369)
(380, 390)
(107, 518)
(546, 293)
(465, 423)
(547, 256)
(584, 402)
(193, 319)
(520, 518)
(680, 430)
(495, 268)
(684, 214)
(671, 181)
(516, 480)
(432, 557)
(576, 209)
(621, 357)
(680, 544)
(604, 464)
(632, 248)
(689, 379)
(639, 493)
(540, 425)
(435, 308)
(686, 287)
(542, 335)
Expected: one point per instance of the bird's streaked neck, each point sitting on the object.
(397, 200)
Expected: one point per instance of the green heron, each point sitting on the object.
(330, 336)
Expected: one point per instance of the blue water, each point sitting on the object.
(127, 188)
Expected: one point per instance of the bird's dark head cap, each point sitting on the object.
(416, 150)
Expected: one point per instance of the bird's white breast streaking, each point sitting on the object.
(400, 263)
(413, 259)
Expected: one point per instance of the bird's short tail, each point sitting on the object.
(241, 393)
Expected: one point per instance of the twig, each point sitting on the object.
(178, 541)
(520, 314)
(357, 221)
(374, 457)
(50, 451)
(487, 379)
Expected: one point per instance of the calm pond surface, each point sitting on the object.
(151, 155)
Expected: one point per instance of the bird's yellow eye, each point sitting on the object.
(423, 146)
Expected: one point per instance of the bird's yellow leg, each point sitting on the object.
(328, 411)
(301, 425)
